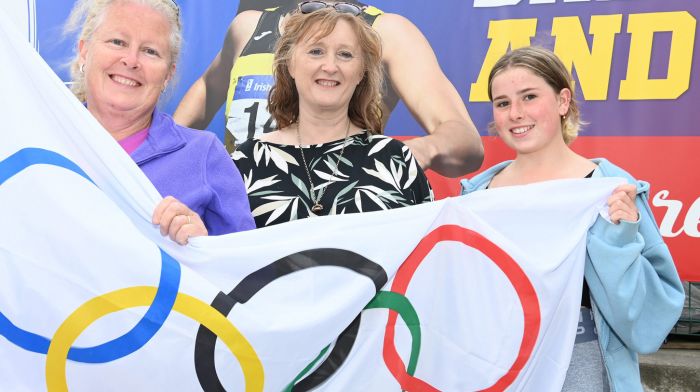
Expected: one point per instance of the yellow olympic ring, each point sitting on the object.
(131, 297)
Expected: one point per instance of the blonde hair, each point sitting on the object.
(365, 109)
(545, 64)
(88, 15)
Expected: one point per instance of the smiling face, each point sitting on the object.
(127, 61)
(527, 111)
(326, 71)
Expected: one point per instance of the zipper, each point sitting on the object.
(600, 344)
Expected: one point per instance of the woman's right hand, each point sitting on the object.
(621, 204)
(178, 221)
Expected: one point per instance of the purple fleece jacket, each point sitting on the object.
(194, 167)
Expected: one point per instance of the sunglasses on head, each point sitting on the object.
(308, 7)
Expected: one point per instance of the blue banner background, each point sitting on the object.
(458, 34)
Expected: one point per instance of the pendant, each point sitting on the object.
(317, 207)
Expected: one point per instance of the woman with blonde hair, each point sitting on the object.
(126, 56)
(632, 295)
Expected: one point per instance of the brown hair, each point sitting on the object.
(545, 64)
(365, 109)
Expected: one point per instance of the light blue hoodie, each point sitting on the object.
(636, 293)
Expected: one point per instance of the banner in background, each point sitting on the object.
(93, 297)
(632, 61)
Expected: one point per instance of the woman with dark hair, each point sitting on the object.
(328, 155)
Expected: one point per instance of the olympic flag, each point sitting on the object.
(452, 295)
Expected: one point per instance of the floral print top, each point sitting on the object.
(375, 173)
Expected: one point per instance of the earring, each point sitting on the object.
(82, 68)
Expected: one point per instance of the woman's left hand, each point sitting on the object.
(177, 221)
(621, 205)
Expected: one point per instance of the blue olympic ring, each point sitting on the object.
(132, 340)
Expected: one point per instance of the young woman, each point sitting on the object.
(632, 294)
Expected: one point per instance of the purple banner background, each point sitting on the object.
(458, 35)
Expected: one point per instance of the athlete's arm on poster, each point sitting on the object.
(206, 95)
(453, 145)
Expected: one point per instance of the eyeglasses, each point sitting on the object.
(308, 7)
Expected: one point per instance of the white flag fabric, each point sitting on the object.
(473, 293)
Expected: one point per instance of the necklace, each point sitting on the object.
(318, 207)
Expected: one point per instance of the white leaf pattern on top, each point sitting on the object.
(380, 144)
(412, 174)
(374, 173)
(259, 184)
(383, 174)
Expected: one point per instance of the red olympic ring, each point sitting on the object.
(521, 283)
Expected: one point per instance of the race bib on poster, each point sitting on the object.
(248, 115)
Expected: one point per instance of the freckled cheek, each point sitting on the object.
(499, 119)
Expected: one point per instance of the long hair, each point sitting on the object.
(545, 64)
(365, 109)
(88, 15)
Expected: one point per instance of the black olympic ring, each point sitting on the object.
(253, 283)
